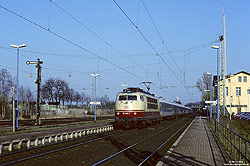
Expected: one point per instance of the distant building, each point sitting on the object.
(238, 85)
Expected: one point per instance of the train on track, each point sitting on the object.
(137, 108)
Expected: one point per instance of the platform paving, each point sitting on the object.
(196, 147)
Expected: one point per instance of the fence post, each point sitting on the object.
(231, 142)
(239, 148)
(224, 130)
(215, 125)
(246, 151)
(235, 148)
(227, 137)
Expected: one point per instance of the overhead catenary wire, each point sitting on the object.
(158, 32)
(144, 37)
(23, 71)
(69, 41)
(103, 40)
(74, 44)
(196, 48)
(64, 69)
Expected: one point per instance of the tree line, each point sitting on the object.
(54, 90)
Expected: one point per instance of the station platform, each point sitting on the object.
(196, 146)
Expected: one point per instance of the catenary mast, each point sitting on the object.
(223, 67)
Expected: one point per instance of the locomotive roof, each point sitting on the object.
(133, 90)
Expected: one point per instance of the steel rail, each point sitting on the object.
(129, 147)
(53, 151)
(163, 144)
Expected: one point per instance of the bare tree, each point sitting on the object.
(77, 97)
(61, 90)
(48, 89)
(88, 99)
(70, 96)
(28, 97)
(204, 82)
(104, 99)
(6, 84)
(83, 98)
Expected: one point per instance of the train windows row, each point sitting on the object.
(151, 100)
(152, 106)
(127, 97)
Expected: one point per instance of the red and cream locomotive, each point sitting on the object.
(136, 108)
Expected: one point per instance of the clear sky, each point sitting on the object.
(96, 37)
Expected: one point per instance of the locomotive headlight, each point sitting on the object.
(118, 113)
(135, 113)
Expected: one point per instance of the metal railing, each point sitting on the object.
(236, 145)
(18, 144)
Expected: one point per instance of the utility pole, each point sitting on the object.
(92, 95)
(38, 82)
(13, 108)
(1, 97)
(94, 75)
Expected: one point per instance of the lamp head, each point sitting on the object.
(215, 47)
(19, 46)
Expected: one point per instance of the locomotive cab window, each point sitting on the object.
(132, 97)
(122, 97)
(141, 98)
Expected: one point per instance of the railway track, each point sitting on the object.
(31, 122)
(124, 156)
(130, 147)
(17, 157)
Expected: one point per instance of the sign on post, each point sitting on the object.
(95, 103)
(211, 102)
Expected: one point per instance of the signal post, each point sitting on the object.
(38, 82)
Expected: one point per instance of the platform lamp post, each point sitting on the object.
(210, 74)
(218, 93)
(16, 113)
(95, 75)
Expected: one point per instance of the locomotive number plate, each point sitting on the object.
(126, 113)
(126, 107)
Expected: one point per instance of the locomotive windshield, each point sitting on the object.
(123, 97)
(130, 97)
(127, 97)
